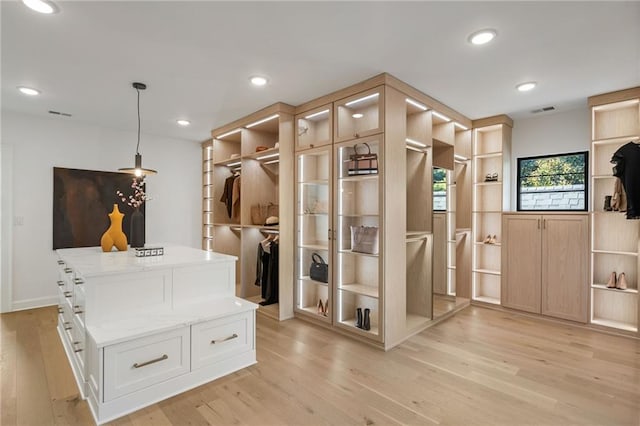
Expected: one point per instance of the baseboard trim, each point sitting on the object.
(39, 302)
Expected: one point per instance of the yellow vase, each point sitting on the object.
(114, 235)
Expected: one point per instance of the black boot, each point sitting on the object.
(366, 322)
(607, 203)
(359, 317)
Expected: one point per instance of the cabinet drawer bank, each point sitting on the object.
(139, 330)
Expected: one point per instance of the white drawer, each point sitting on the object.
(214, 340)
(137, 364)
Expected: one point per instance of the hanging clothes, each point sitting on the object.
(619, 198)
(231, 195)
(267, 265)
(627, 168)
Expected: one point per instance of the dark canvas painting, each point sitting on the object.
(82, 200)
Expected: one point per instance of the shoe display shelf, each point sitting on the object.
(615, 121)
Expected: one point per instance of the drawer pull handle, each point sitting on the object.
(153, 361)
(67, 326)
(60, 310)
(77, 310)
(60, 283)
(68, 294)
(78, 281)
(68, 270)
(78, 350)
(60, 262)
(233, 336)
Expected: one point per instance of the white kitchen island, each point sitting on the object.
(138, 330)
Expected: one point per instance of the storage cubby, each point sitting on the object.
(418, 295)
(349, 303)
(615, 121)
(419, 191)
(359, 115)
(314, 128)
(486, 224)
(310, 294)
(264, 186)
(486, 287)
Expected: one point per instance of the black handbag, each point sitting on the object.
(319, 269)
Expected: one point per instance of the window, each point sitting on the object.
(439, 189)
(553, 182)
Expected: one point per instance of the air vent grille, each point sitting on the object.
(64, 114)
(543, 109)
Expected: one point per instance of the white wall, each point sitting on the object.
(557, 133)
(39, 144)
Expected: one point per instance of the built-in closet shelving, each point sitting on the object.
(615, 121)
(393, 283)
(259, 149)
(491, 167)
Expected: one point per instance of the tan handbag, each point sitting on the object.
(260, 212)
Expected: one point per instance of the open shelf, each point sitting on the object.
(312, 281)
(617, 290)
(487, 299)
(366, 290)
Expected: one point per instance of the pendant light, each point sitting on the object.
(137, 169)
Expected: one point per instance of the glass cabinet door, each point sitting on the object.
(313, 248)
(359, 115)
(313, 128)
(358, 235)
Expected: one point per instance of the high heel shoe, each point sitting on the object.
(321, 308)
(612, 280)
(326, 308)
(493, 240)
(621, 283)
(366, 322)
(488, 239)
(359, 317)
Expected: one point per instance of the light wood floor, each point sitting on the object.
(481, 367)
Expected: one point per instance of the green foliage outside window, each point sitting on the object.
(553, 171)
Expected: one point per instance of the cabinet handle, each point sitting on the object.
(68, 294)
(77, 310)
(60, 310)
(68, 270)
(60, 283)
(544, 223)
(233, 336)
(329, 234)
(153, 361)
(538, 223)
(60, 262)
(78, 350)
(67, 326)
(78, 281)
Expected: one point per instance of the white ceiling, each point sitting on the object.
(196, 57)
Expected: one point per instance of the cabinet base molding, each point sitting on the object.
(111, 410)
(589, 326)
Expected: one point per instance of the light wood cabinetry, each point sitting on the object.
(393, 282)
(615, 121)
(258, 151)
(545, 263)
(491, 169)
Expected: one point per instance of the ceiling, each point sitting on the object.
(196, 57)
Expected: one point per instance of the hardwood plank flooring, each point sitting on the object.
(480, 367)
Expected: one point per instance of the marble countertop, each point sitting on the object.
(92, 261)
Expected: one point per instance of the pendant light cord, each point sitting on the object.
(138, 145)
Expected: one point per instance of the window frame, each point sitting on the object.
(539, 157)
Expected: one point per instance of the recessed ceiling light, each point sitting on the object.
(482, 37)
(257, 80)
(357, 115)
(183, 122)
(41, 6)
(28, 90)
(525, 87)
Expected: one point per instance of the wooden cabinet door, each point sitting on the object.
(521, 259)
(565, 262)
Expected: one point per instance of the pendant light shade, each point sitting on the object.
(137, 169)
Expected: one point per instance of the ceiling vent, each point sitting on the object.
(64, 114)
(543, 109)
